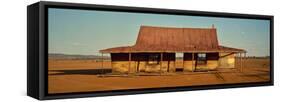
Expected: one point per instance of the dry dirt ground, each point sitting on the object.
(66, 76)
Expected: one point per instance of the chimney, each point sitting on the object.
(213, 26)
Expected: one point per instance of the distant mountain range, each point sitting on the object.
(97, 57)
(74, 56)
(59, 56)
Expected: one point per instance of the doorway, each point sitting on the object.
(179, 63)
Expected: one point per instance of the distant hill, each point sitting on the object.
(59, 56)
(73, 56)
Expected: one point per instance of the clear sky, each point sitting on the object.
(86, 32)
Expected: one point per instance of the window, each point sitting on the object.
(153, 59)
(201, 58)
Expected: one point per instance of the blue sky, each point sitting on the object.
(85, 32)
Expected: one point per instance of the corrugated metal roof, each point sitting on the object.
(167, 39)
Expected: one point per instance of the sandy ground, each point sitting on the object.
(83, 75)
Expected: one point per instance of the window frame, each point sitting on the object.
(153, 59)
(201, 58)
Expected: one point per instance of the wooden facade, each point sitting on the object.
(156, 47)
(143, 62)
(151, 62)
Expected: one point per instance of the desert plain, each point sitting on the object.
(74, 75)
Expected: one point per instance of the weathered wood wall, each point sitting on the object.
(139, 62)
(191, 65)
(227, 60)
(188, 63)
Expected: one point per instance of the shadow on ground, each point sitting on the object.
(258, 75)
(80, 72)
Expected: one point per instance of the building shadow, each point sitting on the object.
(264, 76)
(80, 72)
(262, 70)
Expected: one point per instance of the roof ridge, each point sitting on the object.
(165, 27)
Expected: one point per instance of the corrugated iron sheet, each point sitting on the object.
(166, 39)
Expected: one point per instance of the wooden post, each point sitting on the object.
(138, 65)
(168, 70)
(102, 63)
(161, 59)
(241, 58)
(240, 54)
(192, 62)
(183, 61)
(129, 70)
(102, 60)
(175, 63)
(244, 57)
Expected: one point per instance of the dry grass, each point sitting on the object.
(81, 76)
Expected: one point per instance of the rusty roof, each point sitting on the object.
(168, 39)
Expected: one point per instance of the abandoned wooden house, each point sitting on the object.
(156, 48)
